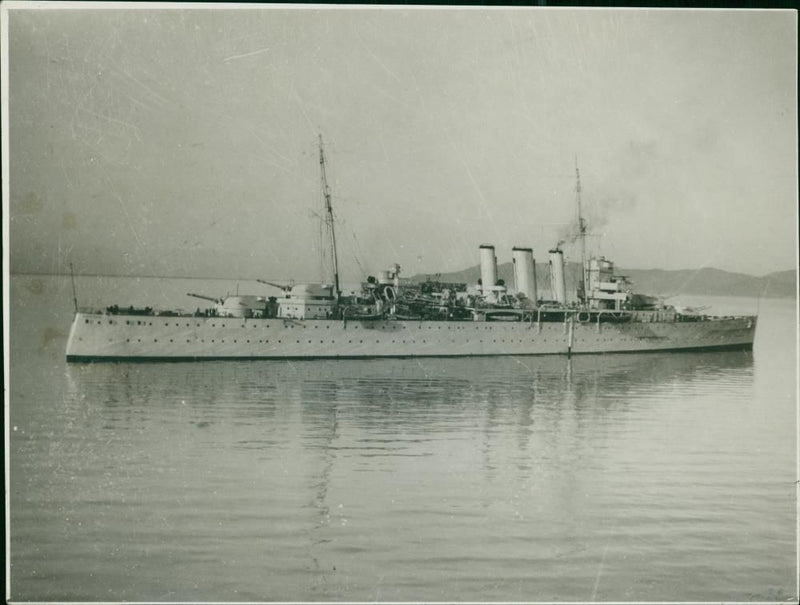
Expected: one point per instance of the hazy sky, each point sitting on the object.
(184, 142)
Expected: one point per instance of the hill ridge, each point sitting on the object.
(660, 282)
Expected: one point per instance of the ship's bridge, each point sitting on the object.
(605, 290)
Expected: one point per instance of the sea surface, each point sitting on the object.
(640, 477)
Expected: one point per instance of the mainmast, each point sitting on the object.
(326, 192)
(581, 230)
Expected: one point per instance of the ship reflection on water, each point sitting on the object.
(407, 390)
(379, 403)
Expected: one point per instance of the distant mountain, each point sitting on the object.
(713, 281)
(652, 281)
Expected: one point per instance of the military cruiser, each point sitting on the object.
(392, 317)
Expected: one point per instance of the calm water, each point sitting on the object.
(618, 477)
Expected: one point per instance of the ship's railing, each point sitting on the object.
(136, 311)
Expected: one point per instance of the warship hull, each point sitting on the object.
(119, 337)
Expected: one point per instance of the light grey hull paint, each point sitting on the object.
(100, 336)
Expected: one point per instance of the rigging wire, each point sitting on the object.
(356, 251)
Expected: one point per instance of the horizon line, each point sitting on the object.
(423, 273)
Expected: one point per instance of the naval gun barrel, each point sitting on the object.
(285, 288)
(211, 298)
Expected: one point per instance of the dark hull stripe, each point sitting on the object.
(118, 359)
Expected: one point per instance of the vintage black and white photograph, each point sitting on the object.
(339, 303)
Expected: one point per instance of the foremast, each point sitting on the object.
(326, 192)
